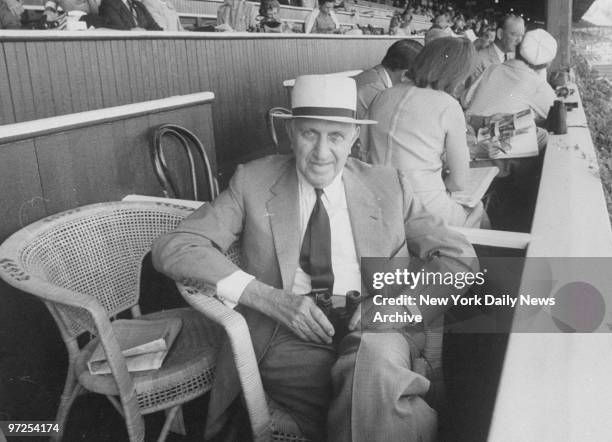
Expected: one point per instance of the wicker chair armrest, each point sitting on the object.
(237, 331)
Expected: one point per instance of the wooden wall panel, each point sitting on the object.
(106, 67)
(91, 72)
(41, 79)
(122, 78)
(77, 76)
(134, 67)
(21, 199)
(20, 81)
(55, 77)
(7, 114)
(77, 167)
(108, 161)
(62, 90)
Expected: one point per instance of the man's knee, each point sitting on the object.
(374, 355)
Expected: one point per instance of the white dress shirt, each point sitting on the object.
(345, 264)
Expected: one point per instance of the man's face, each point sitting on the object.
(321, 148)
(326, 7)
(511, 35)
(273, 14)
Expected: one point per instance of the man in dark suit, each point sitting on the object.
(304, 222)
(127, 15)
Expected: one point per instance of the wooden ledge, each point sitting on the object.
(34, 128)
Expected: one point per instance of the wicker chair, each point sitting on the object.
(264, 414)
(85, 265)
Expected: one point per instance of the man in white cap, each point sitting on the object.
(516, 84)
(305, 221)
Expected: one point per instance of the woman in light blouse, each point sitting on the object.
(421, 128)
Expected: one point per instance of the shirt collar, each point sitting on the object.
(334, 192)
(386, 78)
(500, 54)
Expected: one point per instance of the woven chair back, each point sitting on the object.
(95, 250)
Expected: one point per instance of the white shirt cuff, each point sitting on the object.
(230, 289)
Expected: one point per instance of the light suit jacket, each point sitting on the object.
(369, 84)
(485, 58)
(261, 208)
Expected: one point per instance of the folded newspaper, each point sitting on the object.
(144, 344)
(510, 136)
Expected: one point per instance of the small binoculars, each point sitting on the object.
(338, 316)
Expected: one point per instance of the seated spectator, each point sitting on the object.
(127, 15)
(164, 13)
(516, 84)
(441, 28)
(509, 33)
(90, 8)
(486, 37)
(239, 15)
(401, 24)
(398, 59)
(322, 20)
(269, 17)
(10, 14)
(421, 129)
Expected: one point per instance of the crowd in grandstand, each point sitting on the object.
(243, 16)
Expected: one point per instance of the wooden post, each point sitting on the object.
(559, 24)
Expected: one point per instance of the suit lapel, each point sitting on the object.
(283, 211)
(366, 216)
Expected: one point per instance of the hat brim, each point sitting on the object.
(325, 117)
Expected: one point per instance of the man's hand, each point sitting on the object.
(298, 313)
(302, 316)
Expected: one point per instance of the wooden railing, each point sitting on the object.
(49, 73)
(553, 384)
(58, 163)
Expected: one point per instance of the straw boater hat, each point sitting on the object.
(324, 97)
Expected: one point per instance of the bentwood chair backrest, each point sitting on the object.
(196, 156)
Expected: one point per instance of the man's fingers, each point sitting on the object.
(322, 321)
(355, 319)
(311, 335)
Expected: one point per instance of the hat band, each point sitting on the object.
(323, 112)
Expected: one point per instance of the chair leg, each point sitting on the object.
(71, 390)
(174, 422)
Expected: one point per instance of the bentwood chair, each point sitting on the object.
(85, 266)
(190, 144)
(264, 416)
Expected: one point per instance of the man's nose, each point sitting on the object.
(322, 147)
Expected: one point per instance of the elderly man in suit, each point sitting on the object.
(305, 221)
(509, 33)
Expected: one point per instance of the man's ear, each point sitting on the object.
(357, 131)
(499, 33)
(290, 128)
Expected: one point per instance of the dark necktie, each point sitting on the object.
(315, 256)
(133, 11)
